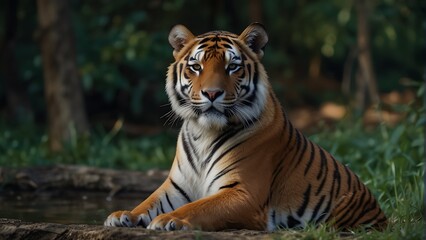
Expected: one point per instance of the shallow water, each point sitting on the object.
(65, 207)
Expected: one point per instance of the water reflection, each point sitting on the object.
(65, 207)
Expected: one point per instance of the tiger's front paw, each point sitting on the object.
(126, 219)
(169, 223)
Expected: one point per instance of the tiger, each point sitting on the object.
(240, 163)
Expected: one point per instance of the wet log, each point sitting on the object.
(16, 229)
(80, 178)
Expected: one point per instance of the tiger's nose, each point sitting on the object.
(212, 94)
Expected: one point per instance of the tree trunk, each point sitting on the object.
(255, 10)
(18, 104)
(367, 89)
(63, 92)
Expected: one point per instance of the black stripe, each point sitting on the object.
(141, 223)
(174, 74)
(149, 215)
(273, 217)
(185, 75)
(247, 87)
(230, 185)
(180, 190)
(221, 173)
(291, 129)
(161, 207)
(179, 98)
(348, 174)
(305, 145)
(306, 196)
(336, 176)
(374, 218)
(285, 124)
(298, 142)
(323, 163)
(359, 184)
(202, 46)
(325, 212)
(227, 46)
(348, 204)
(227, 40)
(219, 141)
(222, 155)
(191, 144)
(250, 99)
(354, 210)
(323, 166)
(365, 208)
(205, 40)
(317, 208)
(224, 171)
(371, 220)
(180, 73)
(311, 158)
(188, 154)
(333, 183)
(170, 203)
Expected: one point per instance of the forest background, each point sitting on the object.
(82, 82)
(112, 57)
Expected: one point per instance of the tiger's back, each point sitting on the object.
(317, 188)
(239, 161)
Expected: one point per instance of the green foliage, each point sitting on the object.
(28, 147)
(123, 52)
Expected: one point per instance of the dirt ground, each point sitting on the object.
(16, 229)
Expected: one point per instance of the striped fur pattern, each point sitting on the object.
(240, 163)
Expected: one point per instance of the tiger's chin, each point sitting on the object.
(212, 121)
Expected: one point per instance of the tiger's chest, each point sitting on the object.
(202, 159)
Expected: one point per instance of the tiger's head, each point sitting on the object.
(217, 79)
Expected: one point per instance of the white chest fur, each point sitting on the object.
(202, 157)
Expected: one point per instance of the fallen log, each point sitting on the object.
(81, 178)
(16, 229)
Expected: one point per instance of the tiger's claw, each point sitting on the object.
(169, 223)
(126, 219)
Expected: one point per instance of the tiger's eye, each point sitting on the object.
(196, 67)
(232, 66)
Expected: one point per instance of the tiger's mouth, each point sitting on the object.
(213, 111)
(213, 118)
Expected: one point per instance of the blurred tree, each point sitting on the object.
(255, 8)
(18, 104)
(365, 77)
(63, 93)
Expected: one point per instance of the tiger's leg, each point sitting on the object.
(228, 209)
(164, 199)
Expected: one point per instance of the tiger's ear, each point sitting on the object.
(255, 37)
(178, 37)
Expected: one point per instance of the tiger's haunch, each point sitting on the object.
(240, 163)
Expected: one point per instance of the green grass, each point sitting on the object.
(28, 146)
(389, 160)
